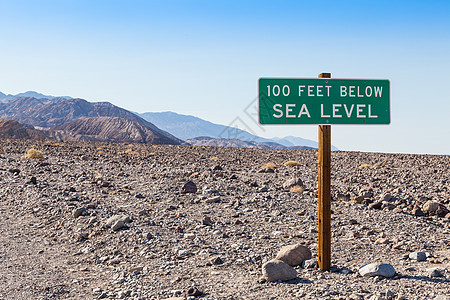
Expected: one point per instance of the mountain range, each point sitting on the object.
(4, 97)
(189, 127)
(67, 118)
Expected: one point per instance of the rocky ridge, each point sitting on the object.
(15, 130)
(109, 129)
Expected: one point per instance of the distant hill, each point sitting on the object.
(291, 141)
(46, 113)
(15, 130)
(218, 142)
(208, 141)
(109, 129)
(189, 127)
(9, 97)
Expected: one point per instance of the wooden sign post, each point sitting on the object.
(324, 101)
(324, 193)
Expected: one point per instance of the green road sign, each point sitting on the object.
(323, 101)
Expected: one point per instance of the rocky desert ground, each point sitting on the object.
(115, 221)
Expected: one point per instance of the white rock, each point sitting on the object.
(294, 255)
(419, 256)
(430, 206)
(117, 225)
(377, 269)
(112, 220)
(275, 269)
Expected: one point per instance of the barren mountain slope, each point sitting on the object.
(15, 130)
(109, 129)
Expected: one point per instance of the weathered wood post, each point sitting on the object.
(324, 193)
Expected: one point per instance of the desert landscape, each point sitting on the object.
(91, 220)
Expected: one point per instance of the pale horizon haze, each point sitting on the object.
(204, 58)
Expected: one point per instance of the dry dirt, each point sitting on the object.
(216, 239)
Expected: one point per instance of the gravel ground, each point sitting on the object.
(58, 240)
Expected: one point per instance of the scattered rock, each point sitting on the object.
(435, 272)
(114, 219)
(275, 269)
(419, 256)
(417, 212)
(189, 187)
(376, 205)
(310, 264)
(193, 291)
(207, 221)
(430, 207)
(377, 269)
(294, 255)
(214, 199)
(77, 212)
(292, 182)
(118, 225)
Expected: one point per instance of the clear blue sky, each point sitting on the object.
(205, 57)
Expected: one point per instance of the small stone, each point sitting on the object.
(217, 168)
(214, 199)
(353, 222)
(216, 261)
(275, 269)
(14, 171)
(33, 180)
(193, 291)
(417, 212)
(189, 236)
(310, 264)
(294, 255)
(419, 256)
(77, 212)
(207, 221)
(292, 182)
(386, 197)
(355, 297)
(136, 269)
(87, 250)
(263, 189)
(358, 199)
(398, 245)
(435, 272)
(382, 241)
(118, 225)
(430, 207)
(114, 219)
(376, 205)
(189, 187)
(182, 253)
(377, 269)
(208, 191)
(148, 236)
(217, 232)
